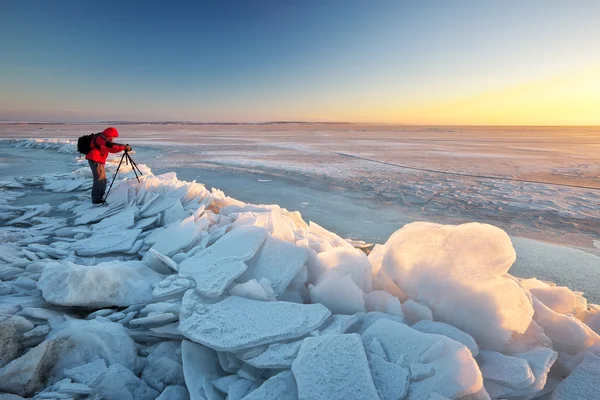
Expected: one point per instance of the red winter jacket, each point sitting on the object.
(101, 146)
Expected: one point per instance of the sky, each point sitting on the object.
(479, 62)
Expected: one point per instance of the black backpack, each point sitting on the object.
(84, 143)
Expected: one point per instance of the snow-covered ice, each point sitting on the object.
(175, 292)
(237, 323)
(112, 283)
(333, 367)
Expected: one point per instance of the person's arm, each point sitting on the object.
(115, 147)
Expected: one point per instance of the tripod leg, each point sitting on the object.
(113, 179)
(133, 166)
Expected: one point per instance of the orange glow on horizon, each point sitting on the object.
(567, 99)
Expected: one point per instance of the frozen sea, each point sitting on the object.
(179, 291)
(540, 184)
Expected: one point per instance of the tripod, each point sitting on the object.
(134, 167)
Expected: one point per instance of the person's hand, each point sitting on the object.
(127, 148)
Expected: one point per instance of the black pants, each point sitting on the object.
(99, 186)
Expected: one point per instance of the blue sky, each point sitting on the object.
(378, 61)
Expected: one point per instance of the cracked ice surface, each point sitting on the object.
(175, 291)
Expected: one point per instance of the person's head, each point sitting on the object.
(111, 133)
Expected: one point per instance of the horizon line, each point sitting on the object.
(126, 122)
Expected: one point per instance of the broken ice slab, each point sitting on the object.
(107, 284)
(237, 323)
(107, 242)
(278, 261)
(123, 220)
(333, 367)
(459, 374)
(200, 365)
(43, 209)
(217, 266)
(279, 387)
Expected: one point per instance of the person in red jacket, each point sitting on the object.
(102, 144)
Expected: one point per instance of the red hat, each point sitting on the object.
(111, 132)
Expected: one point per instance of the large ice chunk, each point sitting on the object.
(349, 261)
(174, 393)
(176, 237)
(119, 383)
(471, 252)
(333, 367)
(86, 341)
(200, 367)
(566, 332)
(218, 276)
(455, 268)
(113, 283)
(87, 373)
(28, 373)
(391, 380)
(254, 290)
(559, 299)
(440, 328)
(338, 293)
(277, 355)
(279, 387)
(205, 267)
(512, 372)
(237, 323)
(539, 361)
(107, 242)
(277, 260)
(443, 365)
(118, 222)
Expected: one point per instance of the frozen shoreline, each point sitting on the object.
(318, 155)
(172, 274)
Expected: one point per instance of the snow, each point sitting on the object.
(237, 323)
(333, 367)
(177, 292)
